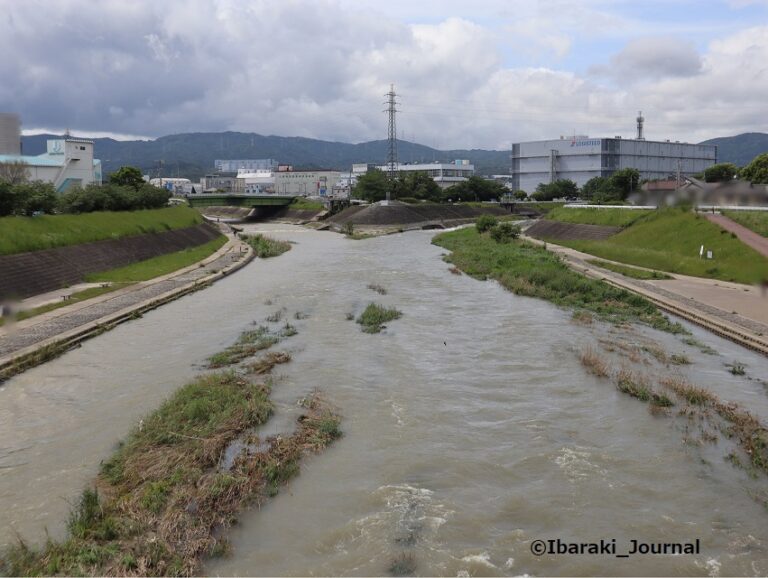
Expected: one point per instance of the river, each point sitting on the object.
(470, 426)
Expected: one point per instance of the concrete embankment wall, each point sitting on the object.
(570, 231)
(25, 274)
(402, 214)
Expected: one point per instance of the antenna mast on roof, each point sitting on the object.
(392, 138)
(640, 121)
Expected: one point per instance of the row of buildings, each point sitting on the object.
(70, 161)
(66, 162)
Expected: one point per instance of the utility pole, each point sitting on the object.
(391, 110)
(679, 173)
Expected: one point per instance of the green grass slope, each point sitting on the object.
(755, 220)
(22, 234)
(670, 239)
(591, 216)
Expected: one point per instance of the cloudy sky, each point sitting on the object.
(470, 74)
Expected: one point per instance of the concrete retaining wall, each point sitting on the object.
(570, 231)
(25, 274)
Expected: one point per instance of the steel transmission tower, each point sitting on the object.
(392, 138)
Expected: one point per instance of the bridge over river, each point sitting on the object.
(238, 200)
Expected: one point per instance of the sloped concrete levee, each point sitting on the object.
(25, 274)
(546, 229)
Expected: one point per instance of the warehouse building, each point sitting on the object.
(444, 174)
(581, 158)
(67, 162)
(311, 183)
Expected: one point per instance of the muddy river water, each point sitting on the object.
(471, 428)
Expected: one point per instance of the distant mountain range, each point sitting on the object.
(740, 149)
(192, 155)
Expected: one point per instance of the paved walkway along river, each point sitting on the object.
(36, 330)
(471, 428)
(745, 235)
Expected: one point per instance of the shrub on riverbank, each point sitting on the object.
(266, 247)
(529, 270)
(485, 223)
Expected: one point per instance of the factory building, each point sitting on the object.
(311, 183)
(444, 174)
(67, 162)
(581, 158)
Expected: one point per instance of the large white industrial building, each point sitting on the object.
(67, 162)
(581, 158)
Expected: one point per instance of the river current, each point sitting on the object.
(471, 428)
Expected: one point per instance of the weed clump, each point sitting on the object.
(635, 386)
(737, 369)
(691, 393)
(163, 500)
(266, 247)
(375, 316)
(594, 363)
(248, 344)
(378, 288)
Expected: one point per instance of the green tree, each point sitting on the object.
(372, 186)
(756, 171)
(475, 189)
(7, 199)
(37, 197)
(561, 188)
(625, 181)
(520, 195)
(720, 172)
(418, 185)
(127, 177)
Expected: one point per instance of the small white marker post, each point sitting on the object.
(701, 252)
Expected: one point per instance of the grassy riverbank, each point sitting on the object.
(162, 501)
(670, 240)
(529, 270)
(592, 216)
(754, 220)
(22, 234)
(158, 266)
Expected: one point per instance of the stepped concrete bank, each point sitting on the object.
(546, 229)
(35, 340)
(401, 215)
(26, 274)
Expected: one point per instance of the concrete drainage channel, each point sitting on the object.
(46, 349)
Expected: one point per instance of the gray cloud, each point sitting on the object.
(652, 58)
(320, 69)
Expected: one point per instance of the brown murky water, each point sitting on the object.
(471, 428)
